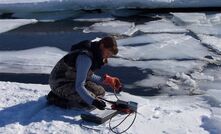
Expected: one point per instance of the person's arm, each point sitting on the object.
(83, 64)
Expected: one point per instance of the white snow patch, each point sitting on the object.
(173, 114)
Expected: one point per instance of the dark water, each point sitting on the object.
(57, 34)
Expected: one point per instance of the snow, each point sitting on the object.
(7, 24)
(33, 115)
(41, 60)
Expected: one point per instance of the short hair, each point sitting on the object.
(110, 43)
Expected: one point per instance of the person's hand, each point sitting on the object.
(113, 82)
(99, 104)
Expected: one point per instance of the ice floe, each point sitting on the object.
(148, 38)
(161, 67)
(36, 60)
(160, 26)
(184, 47)
(10, 24)
(33, 115)
(199, 23)
(112, 27)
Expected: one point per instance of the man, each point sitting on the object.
(73, 81)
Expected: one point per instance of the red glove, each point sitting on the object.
(113, 82)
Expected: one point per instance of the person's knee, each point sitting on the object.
(97, 90)
(101, 91)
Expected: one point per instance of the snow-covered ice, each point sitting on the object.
(37, 60)
(176, 56)
(162, 27)
(24, 109)
(196, 18)
(10, 24)
(162, 67)
(148, 38)
(112, 27)
(189, 18)
(206, 29)
(184, 47)
(199, 23)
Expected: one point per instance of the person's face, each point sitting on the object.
(106, 53)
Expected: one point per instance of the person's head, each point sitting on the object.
(108, 47)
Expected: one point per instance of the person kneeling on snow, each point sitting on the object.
(72, 80)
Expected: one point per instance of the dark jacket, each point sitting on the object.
(65, 72)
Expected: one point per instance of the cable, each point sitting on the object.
(112, 128)
(115, 94)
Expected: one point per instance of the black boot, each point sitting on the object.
(54, 99)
